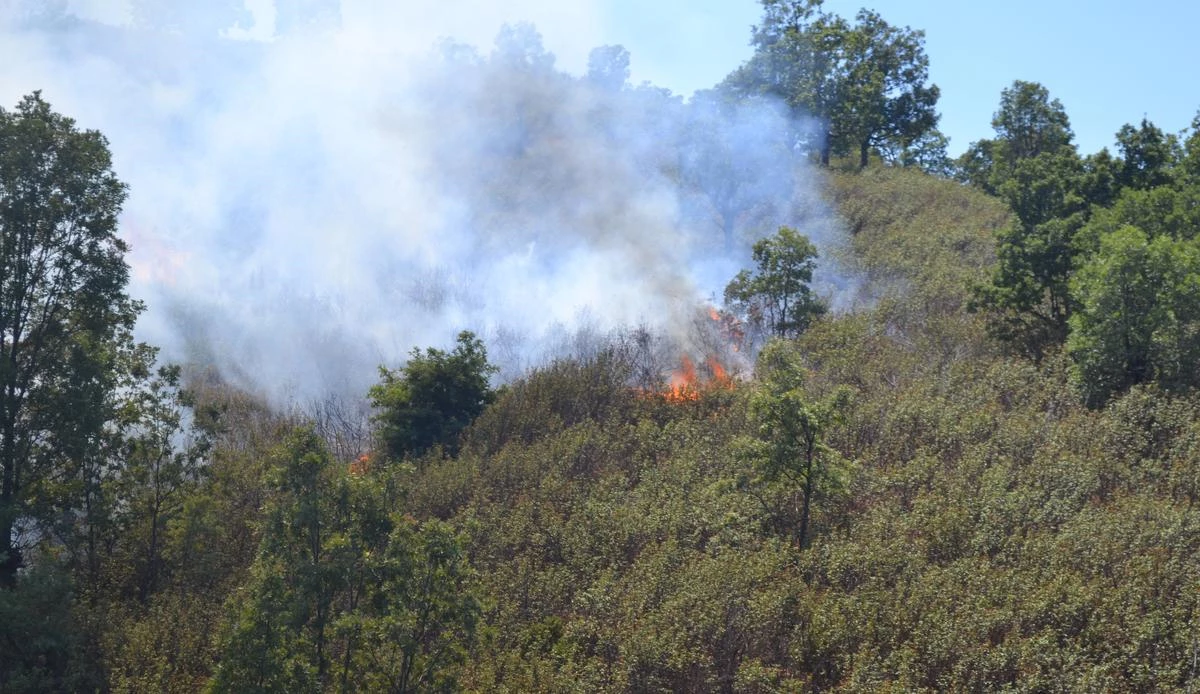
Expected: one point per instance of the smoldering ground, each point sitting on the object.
(309, 202)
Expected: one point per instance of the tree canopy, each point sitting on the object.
(865, 83)
(777, 297)
(65, 317)
(432, 398)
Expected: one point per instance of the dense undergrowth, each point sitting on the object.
(984, 531)
(992, 533)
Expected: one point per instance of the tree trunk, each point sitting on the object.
(864, 154)
(806, 502)
(10, 556)
(11, 560)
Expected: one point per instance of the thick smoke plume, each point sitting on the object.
(310, 201)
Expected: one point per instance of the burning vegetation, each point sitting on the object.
(689, 381)
(720, 339)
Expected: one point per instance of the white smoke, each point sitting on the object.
(315, 189)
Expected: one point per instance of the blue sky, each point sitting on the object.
(1110, 62)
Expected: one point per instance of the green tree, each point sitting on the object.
(161, 462)
(1139, 315)
(1028, 124)
(1190, 155)
(885, 103)
(65, 318)
(41, 636)
(787, 448)
(418, 617)
(432, 398)
(344, 594)
(777, 297)
(865, 84)
(1033, 167)
(928, 153)
(1147, 156)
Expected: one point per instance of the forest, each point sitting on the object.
(940, 431)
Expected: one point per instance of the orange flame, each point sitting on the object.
(361, 466)
(682, 386)
(687, 384)
(719, 376)
(731, 329)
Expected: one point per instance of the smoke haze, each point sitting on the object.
(315, 189)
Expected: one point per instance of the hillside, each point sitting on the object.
(973, 525)
(461, 371)
(988, 532)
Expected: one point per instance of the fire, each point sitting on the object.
(682, 386)
(729, 326)
(693, 378)
(361, 466)
(719, 376)
(687, 384)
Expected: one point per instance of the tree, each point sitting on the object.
(65, 318)
(1032, 166)
(1027, 124)
(430, 400)
(1147, 155)
(788, 448)
(864, 84)
(885, 103)
(1190, 156)
(734, 155)
(343, 593)
(519, 46)
(928, 153)
(608, 67)
(1139, 315)
(777, 298)
(162, 459)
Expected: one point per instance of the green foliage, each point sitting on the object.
(65, 319)
(995, 534)
(161, 465)
(928, 153)
(1064, 207)
(917, 244)
(40, 634)
(1139, 315)
(343, 593)
(788, 447)
(1033, 166)
(777, 297)
(432, 398)
(1169, 211)
(1029, 123)
(1147, 156)
(573, 532)
(865, 83)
